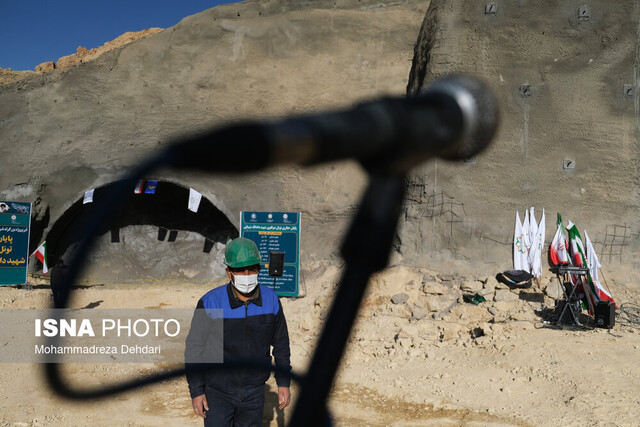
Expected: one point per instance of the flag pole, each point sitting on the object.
(605, 282)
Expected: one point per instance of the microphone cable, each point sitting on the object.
(460, 118)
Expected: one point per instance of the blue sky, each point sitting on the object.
(36, 31)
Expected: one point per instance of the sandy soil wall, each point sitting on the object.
(568, 142)
(76, 128)
(566, 79)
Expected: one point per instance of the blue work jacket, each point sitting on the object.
(249, 331)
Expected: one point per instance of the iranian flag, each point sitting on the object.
(593, 264)
(578, 259)
(558, 248)
(41, 254)
(139, 186)
(577, 248)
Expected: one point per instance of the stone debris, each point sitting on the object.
(419, 313)
(447, 277)
(505, 295)
(471, 287)
(401, 320)
(45, 67)
(442, 304)
(409, 286)
(553, 290)
(500, 285)
(399, 298)
(434, 288)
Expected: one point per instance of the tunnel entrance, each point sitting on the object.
(153, 236)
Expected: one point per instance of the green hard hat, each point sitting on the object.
(241, 252)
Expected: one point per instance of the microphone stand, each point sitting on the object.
(367, 245)
(366, 251)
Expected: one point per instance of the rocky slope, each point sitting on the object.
(82, 54)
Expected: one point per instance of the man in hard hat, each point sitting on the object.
(253, 322)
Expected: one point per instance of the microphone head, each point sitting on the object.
(479, 110)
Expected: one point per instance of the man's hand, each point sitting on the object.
(200, 405)
(284, 397)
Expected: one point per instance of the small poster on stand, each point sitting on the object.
(15, 220)
(276, 232)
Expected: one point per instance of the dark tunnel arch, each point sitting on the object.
(166, 208)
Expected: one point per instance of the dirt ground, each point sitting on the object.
(398, 370)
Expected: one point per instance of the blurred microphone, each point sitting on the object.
(454, 118)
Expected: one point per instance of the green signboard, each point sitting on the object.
(15, 219)
(276, 232)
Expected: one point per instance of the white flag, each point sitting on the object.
(533, 229)
(593, 264)
(194, 200)
(520, 261)
(88, 197)
(525, 232)
(535, 252)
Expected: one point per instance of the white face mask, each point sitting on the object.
(245, 284)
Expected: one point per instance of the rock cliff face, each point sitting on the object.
(567, 80)
(82, 54)
(566, 77)
(77, 128)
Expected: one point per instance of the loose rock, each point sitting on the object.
(433, 288)
(472, 287)
(399, 298)
(419, 313)
(505, 295)
(553, 290)
(45, 67)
